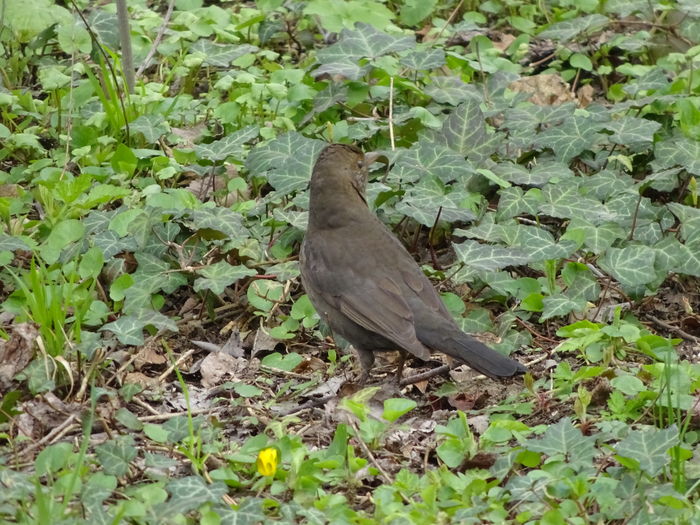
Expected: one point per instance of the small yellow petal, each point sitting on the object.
(267, 461)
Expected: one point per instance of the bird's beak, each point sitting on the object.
(375, 156)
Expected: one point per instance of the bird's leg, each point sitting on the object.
(366, 360)
(399, 368)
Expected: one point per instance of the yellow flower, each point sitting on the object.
(267, 461)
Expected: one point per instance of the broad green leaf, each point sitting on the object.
(229, 146)
(451, 90)
(677, 151)
(464, 131)
(415, 11)
(129, 328)
(188, 494)
(486, 257)
(220, 219)
(425, 159)
(631, 266)
(114, 455)
(564, 440)
(394, 408)
(649, 447)
(152, 127)
(423, 60)
(568, 29)
(632, 131)
(62, 234)
(559, 305)
(286, 362)
(574, 135)
(216, 277)
(335, 16)
(220, 55)
(286, 161)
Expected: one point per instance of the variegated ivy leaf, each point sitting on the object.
(569, 29)
(216, 277)
(425, 159)
(286, 161)
(129, 328)
(690, 258)
(221, 220)
(564, 202)
(464, 131)
(649, 447)
(574, 135)
(540, 245)
(451, 90)
(560, 305)
(538, 175)
(152, 127)
(632, 266)
(596, 239)
(665, 180)
(423, 59)
(605, 183)
(189, 494)
(363, 42)
(429, 197)
(514, 201)
(632, 131)
(677, 151)
(689, 218)
(229, 146)
(487, 257)
(220, 55)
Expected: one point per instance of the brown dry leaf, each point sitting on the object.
(501, 41)
(148, 355)
(263, 342)
(141, 379)
(585, 94)
(310, 364)
(17, 352)
(189, 135)
(544, 90)
(218, 367)
(234, 345)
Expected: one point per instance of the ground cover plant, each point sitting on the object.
(159, 360)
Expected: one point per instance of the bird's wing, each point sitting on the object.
(381, 308)
(373, 301)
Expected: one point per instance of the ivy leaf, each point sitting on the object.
(425, 159)
(423, 59)
(188, 494)
(574, 135)
(364, 42)
(287, 161)
(229, 146)
(115, 455)
(596, 238)
(631, 266)
(129, 328)
(216, 277)
(569, 29)
(220, 55)
(563, 439)
(632, 131)
(689, 218)
(649, 447)
(451, 90)
(464, 131)
(560, 305)
(220, 219)
(678, 151)
(487, 257)
(152, 127)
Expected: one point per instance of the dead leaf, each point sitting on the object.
(218, 367)
(585, 94)
(17, 352)
(544, 90)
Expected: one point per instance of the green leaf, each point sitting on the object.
(569, 29)
(563, 439)
(287, 161)
(464, 131)
(286, 362)
(124, 160)
(580, 61)
(220, 55)
(62, 234)
(415, 11)
(335, 16)
(394, 408)
(631, 266)
(114, 455)
(152, 127)
(216, 277)
(649, 447)
(365, 42)
(229, 146)
(188, 494)
(91, 263)
(129, 328)
(574, 135)
(487, 257)
(632, 131)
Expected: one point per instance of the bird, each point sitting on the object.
(365, 284)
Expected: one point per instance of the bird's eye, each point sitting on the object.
(360, 164)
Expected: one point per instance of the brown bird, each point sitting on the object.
(365, 284)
